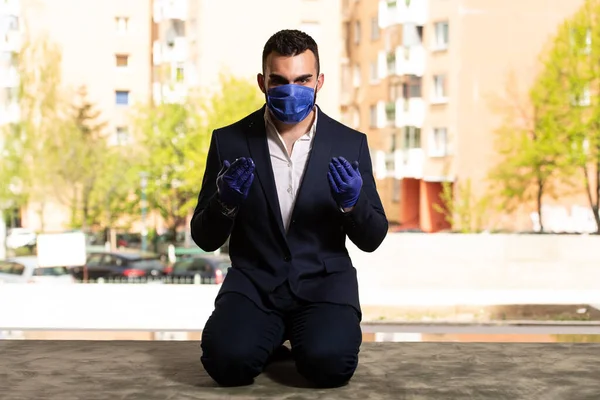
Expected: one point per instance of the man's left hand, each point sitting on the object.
(345, 182)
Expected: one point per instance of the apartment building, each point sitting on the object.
(198, 40)
(420, 77)
(127, 52)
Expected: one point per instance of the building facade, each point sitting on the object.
(138, 51)
(421, 77)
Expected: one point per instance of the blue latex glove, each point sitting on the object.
(234, 181)
(345, 181)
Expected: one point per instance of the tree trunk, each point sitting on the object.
(593, 203)
(85, 205)
(596, 206)
(539, 197)
(41, 214)
(74, 207)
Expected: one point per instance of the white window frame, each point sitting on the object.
(373, 116)
(122, 25)
(441, 41)
(357, 32)
(356, 75)
(438, 142)
(439, 89)
(374, 72)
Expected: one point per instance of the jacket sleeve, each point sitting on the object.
(210, 226)
(366, 224)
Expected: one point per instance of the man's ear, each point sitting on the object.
(320, 81)
(260, 79)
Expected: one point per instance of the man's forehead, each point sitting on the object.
(300, 63)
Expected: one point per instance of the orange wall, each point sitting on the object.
(409, 203)
(432, 220)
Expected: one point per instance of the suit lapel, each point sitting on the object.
(318, 162)
(259, 151)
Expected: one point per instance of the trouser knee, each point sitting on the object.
(231, 365)
(327, 369)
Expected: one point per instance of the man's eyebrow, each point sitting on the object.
(301, 77)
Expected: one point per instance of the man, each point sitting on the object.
(287, 185)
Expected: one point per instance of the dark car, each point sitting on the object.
(209, 268)
(120, 264)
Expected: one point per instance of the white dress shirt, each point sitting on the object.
(288, 170)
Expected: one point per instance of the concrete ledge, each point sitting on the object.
(69, 370)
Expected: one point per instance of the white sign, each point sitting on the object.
(61, 250)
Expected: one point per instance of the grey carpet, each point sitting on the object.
(153, 370)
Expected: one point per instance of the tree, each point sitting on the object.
(82, 145)
(461, 208)
(569, 87)
(175, 139)
(531, 150)
(28, 143)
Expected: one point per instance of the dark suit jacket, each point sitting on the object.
(312, 255)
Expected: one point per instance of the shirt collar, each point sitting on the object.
(271, 126)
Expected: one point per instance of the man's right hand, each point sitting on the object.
(234, 181)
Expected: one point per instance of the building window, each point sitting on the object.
(441, 36)
(373, 72)
(179, 74)
(122, 60)
(122, 135)
(412, 88)
(411, 138)
(373, 116)
(439, 88)
(396, 190)
(356, 78)
(438, 145)
(375, 28)
(357, 32)
(356, 118)
(122, 97)
(122, 24)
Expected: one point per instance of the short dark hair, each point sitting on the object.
(289, 43)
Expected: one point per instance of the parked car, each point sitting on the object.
(20, 237)
(120, 264)
(210, 268)
(26, 270)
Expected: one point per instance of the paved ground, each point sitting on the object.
(69, 370)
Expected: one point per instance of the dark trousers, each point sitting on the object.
(239, 338)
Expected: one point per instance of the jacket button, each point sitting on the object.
(287, 258)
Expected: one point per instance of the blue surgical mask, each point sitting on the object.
(291, 103)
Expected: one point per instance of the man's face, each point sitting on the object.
(300, 69)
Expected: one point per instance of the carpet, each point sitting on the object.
(152, 370)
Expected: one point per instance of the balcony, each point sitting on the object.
(410, 60)
(410, 112)
(398, 12)
(9, 113)
(9, 78)
(178, 52)
(409, 163)
(10, 7)
(10, 41)
(173, 93)
(390, 113)
(391, 64)
(170, 9)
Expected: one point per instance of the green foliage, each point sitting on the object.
(532, 153)
(568, 89)
(58, 150)
(29, 144)
(175, 138)
(462, 209)
(552, 138)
